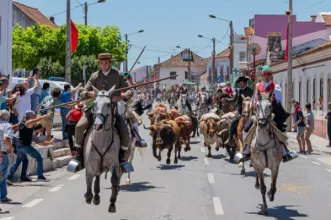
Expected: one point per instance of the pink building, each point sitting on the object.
(270, 32)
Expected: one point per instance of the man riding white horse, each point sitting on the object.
(183, 91)
(104, 79)
(280, 115)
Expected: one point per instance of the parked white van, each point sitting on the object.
(53, 84)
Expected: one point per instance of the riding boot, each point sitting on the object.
(80, 158)
(122, 156)
(232, 131)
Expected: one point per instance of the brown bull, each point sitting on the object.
(209, 128)
(165, 136)
(185, 133)
(158, 114)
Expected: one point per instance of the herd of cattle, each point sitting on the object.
(171, 129)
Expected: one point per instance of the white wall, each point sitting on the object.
(165, 72)
(308, 74)
(219, 62)
(6, 10)
(238, 47)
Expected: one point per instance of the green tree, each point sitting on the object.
(40, 45)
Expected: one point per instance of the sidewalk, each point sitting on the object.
(319, 144)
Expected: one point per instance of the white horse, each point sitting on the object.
(181, 103)
(202, 108)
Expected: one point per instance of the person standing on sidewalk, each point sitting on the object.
(65, 97)
(23, 158)
(37, 90)
(25, 140)
(310, 125)
(6, 134)
(72, 119)
(300, 125)
(293, 114)
(328, 117)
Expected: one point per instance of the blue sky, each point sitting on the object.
(168, 23)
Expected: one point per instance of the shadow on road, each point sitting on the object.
(218, 156)
(169, 167)
(194, 142)
(4, 212)
(12, 203)
(282, 213)
(188, 158)
(138, 187)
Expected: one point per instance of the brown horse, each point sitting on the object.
(226, 104)
(246, 107)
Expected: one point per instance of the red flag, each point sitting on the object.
(74, 37)
(287, 36)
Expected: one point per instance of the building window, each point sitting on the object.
(321, 87)
(329, 90)
(300, 86)
(308, 92)
(242, 57)
(314, 94)
(173, 75)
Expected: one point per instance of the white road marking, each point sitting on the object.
(73, 177)
(211, 178)
(206, 161)
(316, 163)
(304, 157)
(218, 206)
(7, 218)
(202, 150)
(329, 170)
(56, 188)
(32, 203)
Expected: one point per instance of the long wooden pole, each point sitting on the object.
(116, 90)
(137, 59)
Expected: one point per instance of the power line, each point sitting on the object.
(71, 9)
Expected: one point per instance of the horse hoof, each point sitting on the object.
(96, 201)
(128, 182)
(159, 159)
(264, 211)
(240, 164)
(257, 186)
(209, 155)
(242, 172)
(176, 161)
(271, 197)
(168, 161)
(88, 199)
(112, 208)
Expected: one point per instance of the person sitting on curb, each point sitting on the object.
(23, 158)
(6, 134)
(24, 141)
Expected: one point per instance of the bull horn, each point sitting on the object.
(167, 126)
(148, 128)
(221, 132)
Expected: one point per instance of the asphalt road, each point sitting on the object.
(197, 188)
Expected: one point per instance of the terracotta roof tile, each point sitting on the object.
(177, 61)
(35, 14)
(327, 19)
(223, 54)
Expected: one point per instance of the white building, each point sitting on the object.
(324, 17)
(176, 66)
(222, 64)
(311, 81)
(239, 53)
(6, 16)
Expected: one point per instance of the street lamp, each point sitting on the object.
(231, 39)
(213, 68)
(86, 8)
(125, 64)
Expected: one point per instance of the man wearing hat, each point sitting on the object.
(280, 115)
(245, 91)
(182, 90)
(104, 79)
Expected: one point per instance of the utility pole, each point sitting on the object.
(189, 66)
(214, 62)
(231, 50)
(125, 66)
(85, 12)
(289, 63)
(68, 45)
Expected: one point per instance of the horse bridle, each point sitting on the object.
(103, 116)
(268, 122)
